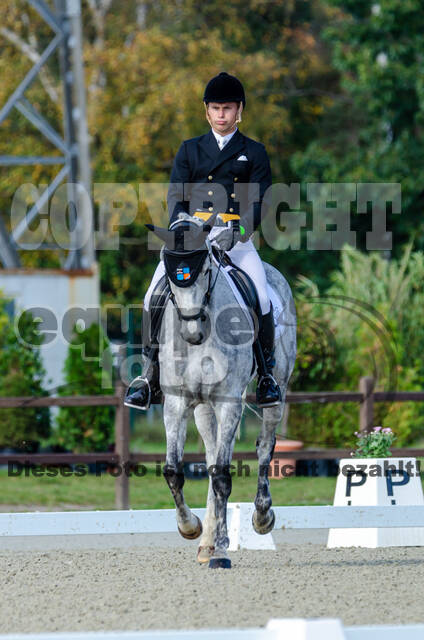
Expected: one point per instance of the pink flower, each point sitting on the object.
(377, 429)
(387, 430)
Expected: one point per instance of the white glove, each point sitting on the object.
(225, 238)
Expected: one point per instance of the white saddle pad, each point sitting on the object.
(278, 310)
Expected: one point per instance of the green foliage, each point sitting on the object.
(146, 67)
(334, 89)
(375, 444)
(373, 131)
(369, 322)
(21, 374)
(87, 372)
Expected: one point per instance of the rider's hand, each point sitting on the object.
(225, 238)
(242, 232)
(239, 236)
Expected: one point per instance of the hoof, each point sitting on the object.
(220, 563)
(195, 533)
(204, 554)
(263, 527)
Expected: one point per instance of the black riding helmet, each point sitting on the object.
(224, 88)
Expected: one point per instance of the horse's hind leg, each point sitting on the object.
(175, 418)
(263, 516)
(206, 424)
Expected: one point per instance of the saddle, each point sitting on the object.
(245, 286)
(242, 281)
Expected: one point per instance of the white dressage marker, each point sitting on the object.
(343, 517)
(62, 523)
(241, 532)
(242, 535)
(324, 629)
(379, 482)
(285, 629)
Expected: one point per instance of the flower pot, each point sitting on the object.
(378, 482)
(284, 467)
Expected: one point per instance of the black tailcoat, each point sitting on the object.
(233, 180)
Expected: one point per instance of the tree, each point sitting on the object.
(87, 370)
(368, 322)
(374, 131)
(146, 66)
(21, 374)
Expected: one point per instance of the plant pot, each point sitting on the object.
(378, 482)
(284, 467)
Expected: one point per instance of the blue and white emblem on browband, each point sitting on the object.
(183, 274)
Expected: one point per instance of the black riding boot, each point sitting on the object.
(145, 389)
(268, 392)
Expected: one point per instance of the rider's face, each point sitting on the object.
(222, 116)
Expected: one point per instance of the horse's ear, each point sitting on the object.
(181, 238)
(164, 234)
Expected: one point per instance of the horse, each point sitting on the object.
(206, 364)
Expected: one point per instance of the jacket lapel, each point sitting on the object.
(209, 144)
(233, 147)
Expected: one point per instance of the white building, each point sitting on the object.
(59, 298)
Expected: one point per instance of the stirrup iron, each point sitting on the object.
(146, 403)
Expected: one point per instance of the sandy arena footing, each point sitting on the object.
(137, 582)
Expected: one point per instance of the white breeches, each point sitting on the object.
(245, 256)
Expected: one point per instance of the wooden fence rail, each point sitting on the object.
(365, 397)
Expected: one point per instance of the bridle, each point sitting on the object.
(200, 315)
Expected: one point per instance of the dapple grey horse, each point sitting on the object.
(205, 366)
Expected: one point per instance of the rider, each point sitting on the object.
(222, 171)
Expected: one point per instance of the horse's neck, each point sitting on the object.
(221, 286)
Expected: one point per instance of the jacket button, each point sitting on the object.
(233, 195)
(210, 193)
(235, 179)
(210, 177)
(231, 210)
(210, 208)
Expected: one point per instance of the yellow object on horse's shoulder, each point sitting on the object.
(225, 217)
(203, 215)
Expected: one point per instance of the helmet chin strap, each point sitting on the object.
(207, 114)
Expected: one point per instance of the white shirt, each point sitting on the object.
(223, 140)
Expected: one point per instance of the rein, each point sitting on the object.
(201, 313)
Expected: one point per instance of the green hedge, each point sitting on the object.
(87, 372)
(369, 322)
(21, 374)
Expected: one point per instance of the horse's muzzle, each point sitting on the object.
(193, 331)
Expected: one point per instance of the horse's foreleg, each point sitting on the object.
(207, 426)
(175, 418)
(228, 417)
(264, 517)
